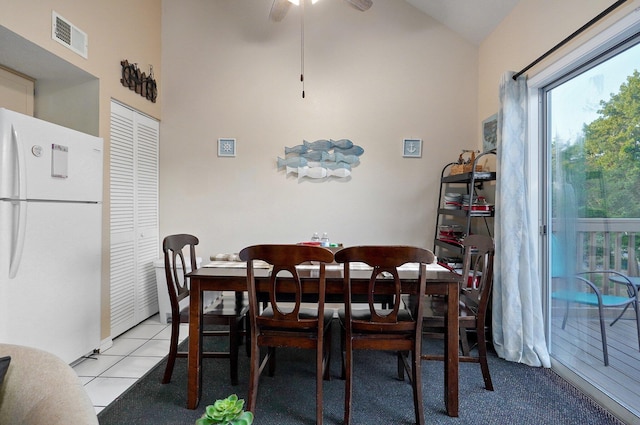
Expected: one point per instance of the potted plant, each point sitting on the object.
(226, 412)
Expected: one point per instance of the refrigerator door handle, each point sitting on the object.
(21, 169)
(18, 238)
(20, 224)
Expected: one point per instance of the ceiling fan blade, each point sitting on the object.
(361, 5)
(279, 8)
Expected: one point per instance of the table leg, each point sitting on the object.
(194, 374)
(451, 354)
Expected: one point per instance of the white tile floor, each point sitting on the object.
(132, 355)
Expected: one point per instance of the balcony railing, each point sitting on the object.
(608, 244)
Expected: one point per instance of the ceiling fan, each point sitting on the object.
(279, 8)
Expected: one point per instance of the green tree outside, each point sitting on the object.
(612, 155)
(603, 165)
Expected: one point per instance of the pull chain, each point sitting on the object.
(302, 46)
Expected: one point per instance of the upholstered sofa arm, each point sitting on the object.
(41, 388)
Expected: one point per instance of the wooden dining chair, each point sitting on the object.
(394, 328)
(290, 324)
(229, 311)
(475, 294)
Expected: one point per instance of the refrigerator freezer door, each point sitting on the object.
(42, 160)
(53, 303)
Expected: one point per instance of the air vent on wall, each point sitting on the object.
(67, 34)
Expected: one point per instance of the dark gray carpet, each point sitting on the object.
(523, 395)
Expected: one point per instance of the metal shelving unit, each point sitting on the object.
(465, 215)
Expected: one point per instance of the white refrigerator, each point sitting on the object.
(50, 236)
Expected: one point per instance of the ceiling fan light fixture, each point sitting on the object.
(361, 5)
(297, 2)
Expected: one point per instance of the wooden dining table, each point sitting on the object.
(231, 276)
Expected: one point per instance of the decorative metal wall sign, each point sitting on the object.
(321, 159)
(138, 81)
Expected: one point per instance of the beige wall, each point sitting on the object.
(375, 78)
(226, 71)
(534, 27)
(117, 30)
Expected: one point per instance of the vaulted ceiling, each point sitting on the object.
(472, 19)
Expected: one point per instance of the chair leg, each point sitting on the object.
(482, 356)
(343, 373)
(566, 315)
(272, 360)
(464, 341)
(254, 377)
(603, 332)
(637, 311)
(326, 357)
(399, 356)
(348, 372)
(416, 381)
(234, 327)
(319, 378)
(173, 351)
(620, 315)
(247, 334)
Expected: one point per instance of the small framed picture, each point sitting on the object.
(490, 133)
(226, 147)
(412, 148)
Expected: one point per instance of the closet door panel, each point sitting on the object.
(147, 215)
(134, 217)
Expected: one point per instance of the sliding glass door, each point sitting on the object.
(592, 138)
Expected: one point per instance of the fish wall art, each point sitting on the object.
(321, 159)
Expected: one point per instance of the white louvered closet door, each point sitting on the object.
(134, 217)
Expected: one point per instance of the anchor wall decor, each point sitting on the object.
(412, 148)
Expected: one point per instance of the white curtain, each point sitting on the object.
(518, 327)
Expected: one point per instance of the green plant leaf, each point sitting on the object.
(227, 411)
(246, 418)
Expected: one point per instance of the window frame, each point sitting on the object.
(538, 174)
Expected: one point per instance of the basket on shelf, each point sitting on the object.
(465, 166)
